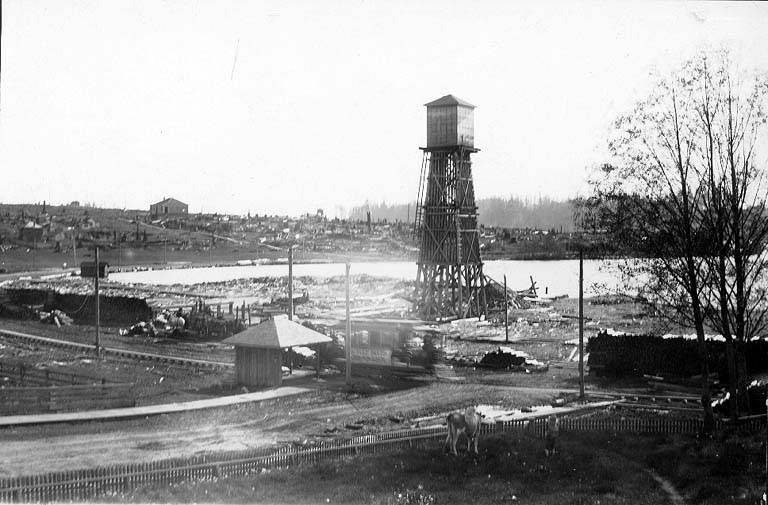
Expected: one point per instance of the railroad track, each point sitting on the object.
(116, 351)
(78, 485)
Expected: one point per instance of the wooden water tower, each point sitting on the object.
(449, 280)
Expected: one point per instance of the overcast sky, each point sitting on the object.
(288, 106)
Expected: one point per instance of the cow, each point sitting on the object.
(468, 423)
(551, 435)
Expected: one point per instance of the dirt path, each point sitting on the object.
(63, 453)
(45, 449)
(668, 488)
(674, 497)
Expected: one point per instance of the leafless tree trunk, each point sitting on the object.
(656, 149)
(731, 112)
(683, 188)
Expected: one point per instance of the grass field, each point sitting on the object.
(591, 469)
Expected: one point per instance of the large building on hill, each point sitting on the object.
(169, 207)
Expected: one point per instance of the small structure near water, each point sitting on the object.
(88, 269)
(258, 349)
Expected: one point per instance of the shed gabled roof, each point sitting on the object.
(169, 200)
(448, 100)
(277, 333)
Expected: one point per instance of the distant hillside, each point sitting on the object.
(512, 212)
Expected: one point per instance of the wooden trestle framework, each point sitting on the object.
(449, 281)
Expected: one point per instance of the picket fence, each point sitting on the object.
(77, 485)
(91, 483)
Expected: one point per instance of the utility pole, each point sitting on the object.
(348, 339)
(74, 248)
(96, 286)
(506, 312)
(210, 251)
(581, 323)
(165, 249)
(290, 283)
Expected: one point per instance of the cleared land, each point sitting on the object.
(372, 405)
(316, 416)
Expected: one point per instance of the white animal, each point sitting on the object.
(176, 322)
(551, 435)
(468, 423)
(169, 322)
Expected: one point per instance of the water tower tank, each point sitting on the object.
(450, 123)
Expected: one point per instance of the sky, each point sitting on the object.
(284, 107)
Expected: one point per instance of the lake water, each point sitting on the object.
(556, 277)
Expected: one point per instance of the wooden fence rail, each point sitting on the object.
(91, 483)
(22, 375)
(38, 400)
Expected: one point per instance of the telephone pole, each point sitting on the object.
(581, 323)
(506, 312)
(290, 283)
(74, 248)
(348, 339)
(98, 307)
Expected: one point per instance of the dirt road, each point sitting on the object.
(315, 416)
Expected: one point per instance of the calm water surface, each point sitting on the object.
(556, 277)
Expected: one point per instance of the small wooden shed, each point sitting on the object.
(258, 349)
(88, 269)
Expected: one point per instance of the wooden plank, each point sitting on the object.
(58, 398)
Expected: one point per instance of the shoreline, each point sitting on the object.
(231, 280)
(52, 272)
(137, 259)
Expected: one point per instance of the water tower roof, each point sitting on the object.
(449, 100)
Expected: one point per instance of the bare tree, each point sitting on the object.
(685, 190)
(731, 114)
(657, 199)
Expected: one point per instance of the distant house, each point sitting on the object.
(31, 232)
(169, 207)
